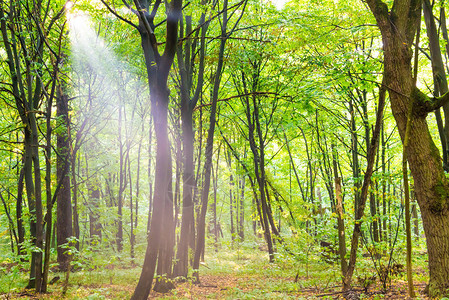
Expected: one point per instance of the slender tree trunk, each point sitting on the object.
(132, 235)
(439, 76)
(209, 145)
(374, 216)
(186, 56)
(259, 178)
(415, 221)
(355, 158)
(408, 235)
(75, 174)
(94, 213)
(48, 220)
(64, 203)
(340, 218)
(231, 198)
(39, 206)
(19, 209)
(122, 175)
(214, 206)
(241, 221)
(384, 184)
(364, 192)
(139, 151)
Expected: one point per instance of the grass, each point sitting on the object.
(229, 273)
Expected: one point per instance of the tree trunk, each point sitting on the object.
(231, 198)
(181, 266)
(149, 171)
(64, 203)
(164, 264)
(19, 209)
(186, 56)
(439, 76)
(261, 185)
(122, 179)
(340, 218)
(241, 218)
(158, 67)
(76, 227)
(355, 158)
(200, 245)
(372, 149)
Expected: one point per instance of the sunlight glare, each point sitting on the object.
(68, 5)
(279, 4)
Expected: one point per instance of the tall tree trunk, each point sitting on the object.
(181, 266)
(149, 171)
(122, 176)
(355, 158)
(439, 77)
(158, 67)
(48, 220)
(231, 197)
(132, 235)
(19, 209)
(164, 264)
(186, 56)
(241, 218)
(200, 245)
(261, 184)
(340, 217)
(94, 213)
(384, 184)
(372, 149)
(214, 205)
(64, 203)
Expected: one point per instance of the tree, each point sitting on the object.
(33, 68)
(398, 25)
(189, 95)
(158, 67)
(64, 203)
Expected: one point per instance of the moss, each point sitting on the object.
(434, 151)
(437, 290)
(422, 103)
(440, 204)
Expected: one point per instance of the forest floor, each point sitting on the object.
(243, 273)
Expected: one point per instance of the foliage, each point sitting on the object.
(311, 70)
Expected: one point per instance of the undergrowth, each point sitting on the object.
(239, 271)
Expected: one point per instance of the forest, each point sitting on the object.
(224, 149)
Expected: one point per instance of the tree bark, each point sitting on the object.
(19, 209)
(64, 203)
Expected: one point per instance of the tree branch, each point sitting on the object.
(380, 12)
(118, 16)
(424, 104)
(238, 96)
